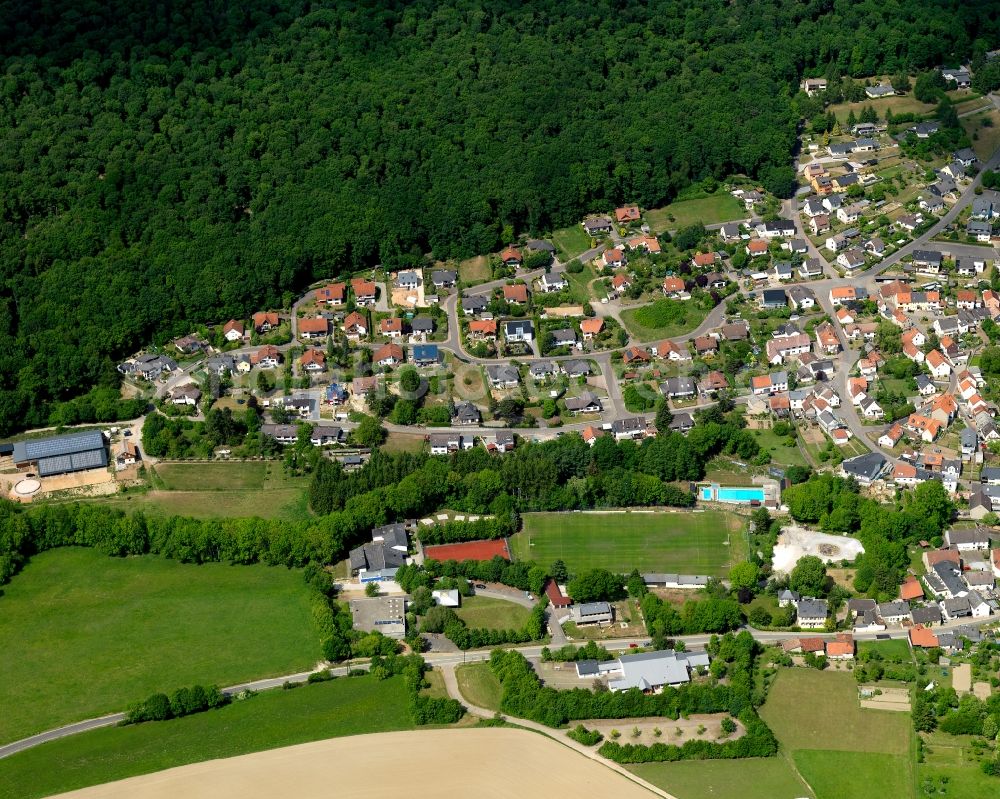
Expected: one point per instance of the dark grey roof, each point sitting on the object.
(54, 446)
(810, 608)
(375, 557)
(441, 276)
(539, 244)
(957, 606)
(928, 615)
(587, 668)
(467, 412)
(897, 607)
(502, 373)
(59, 464)
(856, 606)
(593, 608)
(950, 577)
(576, 367)
(422, 324)
(474, 304)
(392, 535)
(772, 296)
(868, 466)
(564, 335)
(585, 400)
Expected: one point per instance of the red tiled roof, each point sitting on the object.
(315, 324)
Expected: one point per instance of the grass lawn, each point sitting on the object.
(478, 685)
(781, 453)
(706, 542)
(219, 490)
(753, 778)
(579, 283)
(951, 769)
(693, 316)
(271, 719)
(492, 614)
(435, 685)
(475, 270)
(403, 442)
(570, 242)
(720, 207)
(95, 634)
(895, 649)
(987, 138)
(859, 775)
(809, 709)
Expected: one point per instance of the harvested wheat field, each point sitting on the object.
(430, 763)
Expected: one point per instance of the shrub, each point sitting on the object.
(582, 735)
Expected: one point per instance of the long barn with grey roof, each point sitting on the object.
(62, 454)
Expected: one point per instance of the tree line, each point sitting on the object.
(189, 163)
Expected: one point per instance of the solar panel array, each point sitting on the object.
(63, 445)
(59, 464)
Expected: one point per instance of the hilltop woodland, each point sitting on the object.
(193, 161)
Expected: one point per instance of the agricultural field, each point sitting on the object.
(271, 719)
(709, 210)
(706, 542)
(860, 775)
(95, 633)
(753, 778)
(492, 614)
(218, 490)
(663, 319)
(570, 242)
(479, 685)
(839, 748)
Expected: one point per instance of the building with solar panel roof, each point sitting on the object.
(61, 454)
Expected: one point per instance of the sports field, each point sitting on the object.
(270, 719)
(425, 764)
(87, 634)
(703, 542)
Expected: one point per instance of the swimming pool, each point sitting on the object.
(720, 494)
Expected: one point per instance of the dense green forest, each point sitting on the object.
(190, 161)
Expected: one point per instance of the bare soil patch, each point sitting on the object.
(430, 763)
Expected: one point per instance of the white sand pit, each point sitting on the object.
(27, 487)
(796, 542)
(489, 763)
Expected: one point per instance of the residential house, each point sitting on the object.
(334, 294)
(474, 305)
(444, 278)
(597, 225)
(410, 281)
(811, 613)
(393, 327)
(511, 257)
(519, 330)
(425, 355)
(673, 287)
(881, 90)
(313, 360)
(627, 213)
(590, 328)
(773, 298)
(365, 291)
(355, 325)
(516, 292)
(679, 388)
(587, 402)
(388, 355)
(614, 258)
(265, 321)
(552, 282)
(502, 376)
(233, 330)
(633, 427)
(756, 247)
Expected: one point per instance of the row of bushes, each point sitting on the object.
(759, 741)
(423, 709)
(454, 532)
(465, 637)
(183, 702)
(570, 653)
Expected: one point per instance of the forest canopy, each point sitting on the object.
(179, 162)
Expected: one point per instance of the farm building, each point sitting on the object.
(62, 454)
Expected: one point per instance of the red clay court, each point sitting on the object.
(472, 550)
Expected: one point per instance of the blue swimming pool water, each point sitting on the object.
(740, 494)
(706, 493)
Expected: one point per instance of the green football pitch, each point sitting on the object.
(701, 542)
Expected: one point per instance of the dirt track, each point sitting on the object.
(430, 763)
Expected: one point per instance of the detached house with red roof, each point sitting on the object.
(627, 213)
(334, 294)
(365, 291)
(314, 327)
(355, 325)
(265, 321)
(393, 327)
(590, 328)
(233, 330)
(517, 292)
(511, 256)
(615, 258)
(388, 355)
(313, 360)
